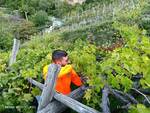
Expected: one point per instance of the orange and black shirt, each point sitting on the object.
(66, 75)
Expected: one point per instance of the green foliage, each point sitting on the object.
(145, 19)
(22, 30)
(31, 61)
(40, 18)
(5, 41)
(15, 90)
(139, 109)
(6, 35)
(130, 60)
(14, 29)
(102, 35)
(87, 53)
(86, 64)
(55, 8)
(115, 69)
(30, 8)
(4, 56)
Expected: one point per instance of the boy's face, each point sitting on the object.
(63, 61)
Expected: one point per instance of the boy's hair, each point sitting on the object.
(58, 54)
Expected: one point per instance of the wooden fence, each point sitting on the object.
(53, 102)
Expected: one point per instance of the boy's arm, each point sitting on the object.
(75, 78)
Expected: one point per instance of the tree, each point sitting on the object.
(40, 18)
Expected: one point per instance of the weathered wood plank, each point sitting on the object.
(128, 96)
(48, 91)
(118, 96)
(73, 104)
(105, 100)
(62, 101)
(37, 84)
(15, 50)
(57, 107)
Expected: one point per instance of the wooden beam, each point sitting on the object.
(37, 84)
(118, 96)
(128, 96)
(73, 104)
(49, 85)
(62, 101)
(58, 107)
(105, 100)
(15, 50)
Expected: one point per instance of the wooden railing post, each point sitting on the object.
(61, 102)
(49, 85)
(37, 84)
(105, 100)
(58, 107)
(14, 52)
(73, 104)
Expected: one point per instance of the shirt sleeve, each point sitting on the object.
(75, 79)
(45, 70)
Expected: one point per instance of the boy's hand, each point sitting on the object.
(84, 79)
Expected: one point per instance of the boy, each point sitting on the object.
(66, 74)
